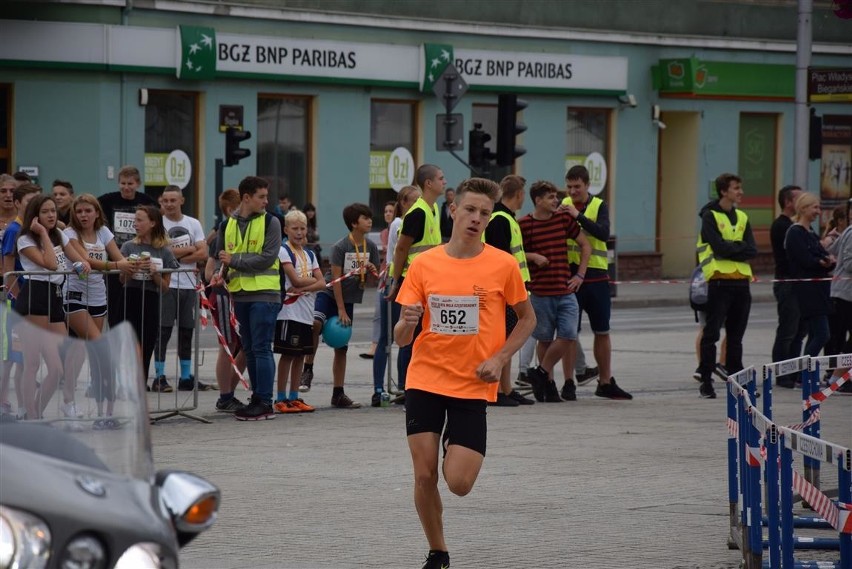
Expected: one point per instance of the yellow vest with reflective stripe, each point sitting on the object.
(251, 242)
(723, 268)
(431, 231)
(516, 243)
(598, 258)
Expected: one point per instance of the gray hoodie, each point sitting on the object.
(253, 262)
(842, 249)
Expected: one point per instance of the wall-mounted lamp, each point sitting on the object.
(143, 97)
(627, 100)
(655, 117)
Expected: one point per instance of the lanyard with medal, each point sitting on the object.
(361, 263)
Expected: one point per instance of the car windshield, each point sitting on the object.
(90, 391)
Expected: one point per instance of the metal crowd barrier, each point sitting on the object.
(756, 443)
(161, 405)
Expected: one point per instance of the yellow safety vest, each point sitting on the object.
(598, 258)
(516, 243)
(251, 242)
(713, 267)
(431, 231)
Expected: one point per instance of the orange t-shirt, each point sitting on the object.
(464, 318)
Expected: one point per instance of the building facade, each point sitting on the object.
(657, 98)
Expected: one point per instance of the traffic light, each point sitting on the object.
(233, 152)
(508, 128)
(479, 156)
(815, 136)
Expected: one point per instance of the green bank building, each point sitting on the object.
(342, 101)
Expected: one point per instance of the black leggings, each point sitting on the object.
(143, 313)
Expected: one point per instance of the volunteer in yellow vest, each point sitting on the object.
(421, 230)
(248, 250)
(504, 233)
(592, 215)
(724, 248)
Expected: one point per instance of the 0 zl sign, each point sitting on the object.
(178, 169)
(400, 168)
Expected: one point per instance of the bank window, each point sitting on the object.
(5, 128)
(171, 146)
(587, 131)
(392, 126)
(283, 147)
(756, 165)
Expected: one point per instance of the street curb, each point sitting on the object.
(671, 301)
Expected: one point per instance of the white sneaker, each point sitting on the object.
(69, 410)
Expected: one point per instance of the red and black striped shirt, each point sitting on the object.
(549, 238)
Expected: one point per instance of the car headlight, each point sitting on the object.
(24, 540)
(84, 552)
(140, 555)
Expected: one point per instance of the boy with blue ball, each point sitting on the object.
(354, 255)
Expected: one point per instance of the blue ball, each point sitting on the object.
(335, 334)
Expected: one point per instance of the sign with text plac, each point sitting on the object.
(178, 169)
(596, 165)
(400, 168)
(557, 71)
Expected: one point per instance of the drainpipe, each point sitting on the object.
(804, 39)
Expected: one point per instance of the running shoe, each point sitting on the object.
(256, 410)
(706, 390)
(437, 560)
(343, 401)
(611, 390)
(232, 405)
(503, 401)
(161, 384)
(302, 406)
(551, 393)
(721, 372)
(520, 398)
(285, 407)
(305, 381)
(569, 390)
(538, 379)
(588, 375)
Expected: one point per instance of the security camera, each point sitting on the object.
(655, 112)
(660, 124)
(628, 100)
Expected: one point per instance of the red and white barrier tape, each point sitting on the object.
(207, 306)
(811, 420)
(687, 282)
(351, 273)
(733, 429)
(837, 514)
(820, 396)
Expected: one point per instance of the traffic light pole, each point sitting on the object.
(220, 170)
(449, 97)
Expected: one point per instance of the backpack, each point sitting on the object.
(698, 290)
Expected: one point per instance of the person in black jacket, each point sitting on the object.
(808, 259)
(446, 219)
(788, 334)
(724, 248)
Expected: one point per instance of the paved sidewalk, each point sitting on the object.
(594, 484)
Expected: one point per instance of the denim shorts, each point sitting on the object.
(555, 315)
